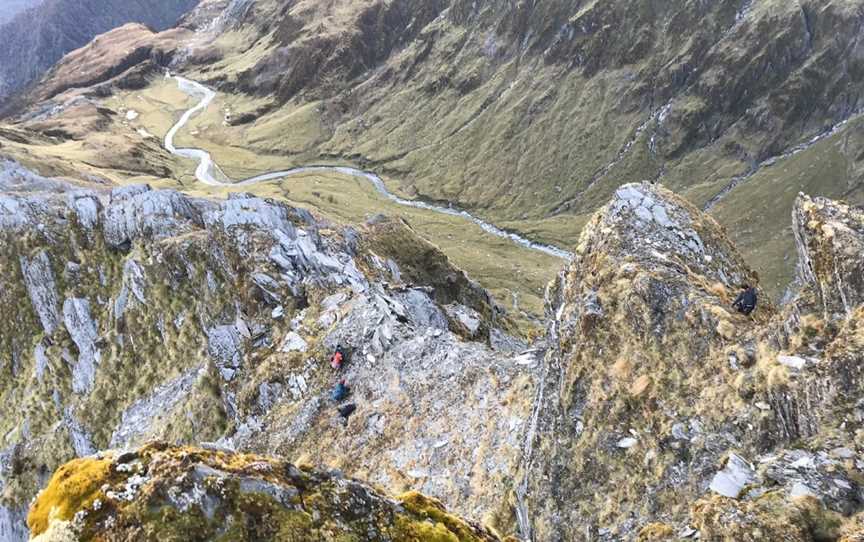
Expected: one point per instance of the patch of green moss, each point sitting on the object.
(74, 487)
(314, 506)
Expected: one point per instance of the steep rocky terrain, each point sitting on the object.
(651, 410)
(210, 495)
(154, 315)
(33, 40)
(659, 401)
(645, 408)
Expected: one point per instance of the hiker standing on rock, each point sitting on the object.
(341, 391)
(745, 303)
(337, 358)
(346, 410)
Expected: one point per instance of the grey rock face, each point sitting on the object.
(293, 343)
(465, 318)
(41, 360)
(82, 329)
(137, 212)
(124, 193)
(133, 278)
(251, 211)
(830, 240)
(658, 229)
(42, 289)
(137, 420)
(13, 524)
(87, 208)
(82, 442)
(226, 347)
(422, 311)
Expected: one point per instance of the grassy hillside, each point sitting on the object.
(529, 116)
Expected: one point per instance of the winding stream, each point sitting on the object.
(207, 171)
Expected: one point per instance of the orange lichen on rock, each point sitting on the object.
(75, 486)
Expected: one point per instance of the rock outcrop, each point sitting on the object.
(148, 314)
(663, 413)
(161, 492)
(830, 236)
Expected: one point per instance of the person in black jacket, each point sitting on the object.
(346, 410)
(745, 303)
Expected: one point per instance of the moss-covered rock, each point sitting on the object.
(163, 493)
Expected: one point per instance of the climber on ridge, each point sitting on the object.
(341, 391)
(346, 410)
(338, 358)
(746, 300)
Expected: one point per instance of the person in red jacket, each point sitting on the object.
(338, 358)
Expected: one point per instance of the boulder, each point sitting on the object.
(198, 493)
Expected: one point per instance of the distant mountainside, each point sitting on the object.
(531, 116)
(11, 8)
(32, 41)
(533, 113)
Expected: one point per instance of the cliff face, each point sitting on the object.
(32, 41)
(659, 401)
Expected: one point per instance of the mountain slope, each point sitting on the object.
(154, 315)
(32, 41)
(532, 114)
(11, 8)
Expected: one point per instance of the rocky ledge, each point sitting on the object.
(162, 492)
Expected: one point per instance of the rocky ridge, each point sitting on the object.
(651, 411)
(659, 401)
(149, 314)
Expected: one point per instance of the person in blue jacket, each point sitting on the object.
(341, 391)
